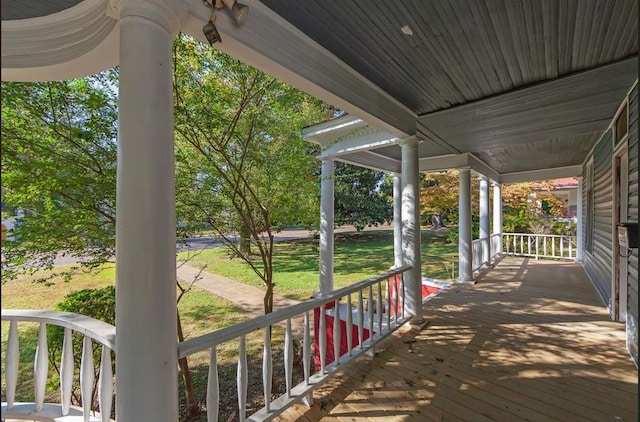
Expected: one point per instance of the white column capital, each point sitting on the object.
(169, 14)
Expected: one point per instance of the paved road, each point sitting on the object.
(209, 242)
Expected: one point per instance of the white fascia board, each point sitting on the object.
(392, 167)
(271, 44)
(330, 130)
(543, 174)
(368, 140)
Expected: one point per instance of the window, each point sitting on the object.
(621, 124)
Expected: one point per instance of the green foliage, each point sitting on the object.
(362, 197)
(243, 165)
(95, 303)
(59, 167)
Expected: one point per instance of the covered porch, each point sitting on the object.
(530, 340)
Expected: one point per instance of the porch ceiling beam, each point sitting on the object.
(273, 45)
(373, 161)
(553, 173)
(583, 102)
(369, 139)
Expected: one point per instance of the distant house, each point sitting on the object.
(7, 226)
(566, 189)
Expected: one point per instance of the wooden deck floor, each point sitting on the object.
(530, 341)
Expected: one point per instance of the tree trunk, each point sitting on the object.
(192, 402)
(245, 239)
(268, 299)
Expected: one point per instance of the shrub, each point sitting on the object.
(96, 303)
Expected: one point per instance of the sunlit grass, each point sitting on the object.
(357, 256)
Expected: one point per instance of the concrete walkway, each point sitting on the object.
(247, 297)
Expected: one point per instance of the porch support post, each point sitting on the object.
(326, 226)
(397, 221)
(464, 227)
(580, 224)
(146, 335)
(484, 218)
(411, 228)
(497, 213)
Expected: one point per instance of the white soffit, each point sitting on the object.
(78, 41)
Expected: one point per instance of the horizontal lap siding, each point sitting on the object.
(632, 299)
(598, 263)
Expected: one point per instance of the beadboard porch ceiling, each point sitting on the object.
(521, 86)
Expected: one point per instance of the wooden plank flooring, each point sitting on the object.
(531, 341)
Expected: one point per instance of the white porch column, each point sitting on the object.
(464, 227)
(397, 221)
(484, 218)
(326, 226)
(580, 224)
(497, 212)
(411, 228)
(146, 335)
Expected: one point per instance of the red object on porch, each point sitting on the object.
(395, 293)
(330, 356)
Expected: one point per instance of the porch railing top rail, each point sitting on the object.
(98, 330)
(205, 341)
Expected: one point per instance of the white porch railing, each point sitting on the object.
(92, 330)
(371, 307)
(540, 245)
(479, 255)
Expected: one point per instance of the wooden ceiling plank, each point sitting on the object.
(607, 50)
(490, 39)
(500, 21)
(515, 16)
(550, 32)
(456, 60)
(578, 31)
(632, 20)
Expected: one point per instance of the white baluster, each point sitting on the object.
(242, 380)
(11, 363)
(360, 319)
(66, 371)
(388, 302)
(267, 368)
(403, 292)
(379, 307)
(323, 338)
(41, 366)
(336, 332)
(87, 376)
(349, 324)
(370, 305)
(288, 357)
(105, 388)
(306, 348)
(306, 357)
(213, 388)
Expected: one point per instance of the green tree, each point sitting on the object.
(59, 167)
(362, 197)
(439, 198)
(244, 170)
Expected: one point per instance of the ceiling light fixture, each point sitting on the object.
(238, 13)
(406, 30)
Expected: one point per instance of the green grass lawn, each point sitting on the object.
(357, 256)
